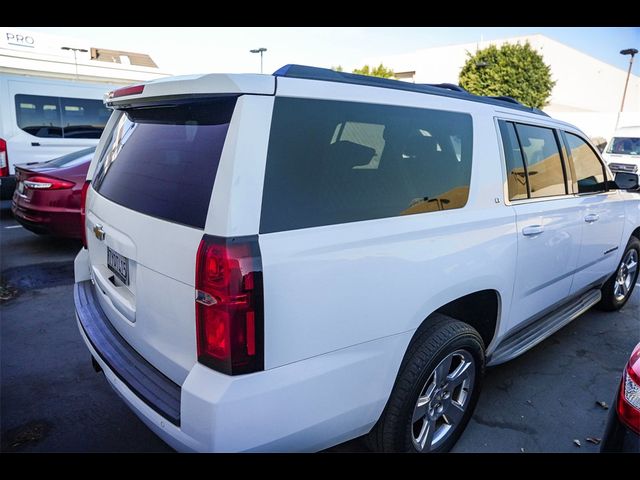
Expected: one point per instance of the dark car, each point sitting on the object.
(47, 195)
(623, 427)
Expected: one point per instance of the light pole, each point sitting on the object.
(75, 58)
(260, 50)
(632, 52)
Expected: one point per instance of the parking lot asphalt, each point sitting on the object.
(51, 400)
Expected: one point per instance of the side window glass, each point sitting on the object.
(543, 162)
(39, 115)
(516, 174)
(589, 171)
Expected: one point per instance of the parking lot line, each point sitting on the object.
(14, 226)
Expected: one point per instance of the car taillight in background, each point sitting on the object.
(43, 182)
(83, 211)
(229, 304)
(629, 397)
(4, 159)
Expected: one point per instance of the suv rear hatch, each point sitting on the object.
(146, 212)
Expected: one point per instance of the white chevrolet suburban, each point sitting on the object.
(286, 262)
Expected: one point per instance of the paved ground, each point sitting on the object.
(52, 400)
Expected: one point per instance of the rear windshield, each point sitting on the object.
(72, 159)
(162, 160)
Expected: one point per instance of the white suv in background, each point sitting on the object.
(622, 153)
(286, 262)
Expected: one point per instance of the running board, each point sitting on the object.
(531, 335)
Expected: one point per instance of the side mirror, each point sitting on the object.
(626, 181)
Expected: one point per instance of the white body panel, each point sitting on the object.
(341, 302)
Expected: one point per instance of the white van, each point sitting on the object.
(622, 153)
(42, 118)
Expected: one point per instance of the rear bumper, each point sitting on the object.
(304, 406)
(7, 186)
(61, 224)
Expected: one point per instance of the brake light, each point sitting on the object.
(83, 211)
(4, 159)
(123, 92)
(229, 304)
(629, 397)
(43, 182)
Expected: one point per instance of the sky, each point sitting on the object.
(181, 50)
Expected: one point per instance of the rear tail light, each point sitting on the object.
(83, 211)
(629, 398)
(125, 91)
(229, 304)
(42, 182)
(4, 159)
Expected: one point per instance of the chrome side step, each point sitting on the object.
(534, 333)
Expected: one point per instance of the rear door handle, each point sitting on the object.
(532, 230)
(592, 217)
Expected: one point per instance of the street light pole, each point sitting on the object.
(75, 57)
(632, 52)
(260, 50)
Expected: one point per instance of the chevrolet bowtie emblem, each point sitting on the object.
(98, 232)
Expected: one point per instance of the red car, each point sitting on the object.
(622, 433)
(47, 196)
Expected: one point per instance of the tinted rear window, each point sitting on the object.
(333, 162)
(162, 160)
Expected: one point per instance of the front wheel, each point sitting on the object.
(436, 390)
(618, 289)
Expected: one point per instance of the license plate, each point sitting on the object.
(20, 188)
(119, 265)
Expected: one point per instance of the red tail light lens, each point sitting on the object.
(43, 182)
(629, 397)
(229, 304)
(83, 211)
(4, 159)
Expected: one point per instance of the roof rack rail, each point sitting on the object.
(443, 89)
(506, 98)
(448, 86)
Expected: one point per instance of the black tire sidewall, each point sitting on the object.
(469, 343)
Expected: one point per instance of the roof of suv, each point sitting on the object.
(265, 85)
(442, 89)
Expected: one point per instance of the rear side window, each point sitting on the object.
(589, 171)
(61, 117)
(516, 174)
(333, 162)
(162, 160)
(544, 166)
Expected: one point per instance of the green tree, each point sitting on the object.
(337, 69)
(514, 70)
(379, 71)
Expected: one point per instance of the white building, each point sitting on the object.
(587, 93)
(53, 56)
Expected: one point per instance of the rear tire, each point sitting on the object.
(618, 289)
(436, 390)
